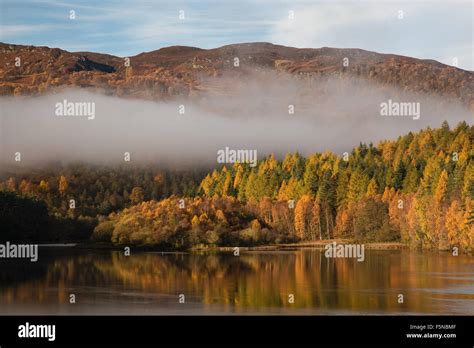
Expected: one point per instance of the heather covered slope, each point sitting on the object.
(189, 71)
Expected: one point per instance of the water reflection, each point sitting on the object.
(254, 282)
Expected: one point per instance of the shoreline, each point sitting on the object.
(284, 247)
(320, 244)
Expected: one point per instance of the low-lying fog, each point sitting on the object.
(254, 113)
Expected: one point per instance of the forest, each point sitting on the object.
(69, 198)
(417, 189)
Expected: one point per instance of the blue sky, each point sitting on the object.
(430, 29)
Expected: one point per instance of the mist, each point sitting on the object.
(251, 112)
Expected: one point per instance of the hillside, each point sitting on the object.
(189, 71)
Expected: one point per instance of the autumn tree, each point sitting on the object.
(303, 217)
(63, 185)
(137, 195)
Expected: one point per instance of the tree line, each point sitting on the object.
(75, 195)
(417, 189)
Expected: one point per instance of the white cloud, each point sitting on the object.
(316, 25)
(428, 30)
(7, 31)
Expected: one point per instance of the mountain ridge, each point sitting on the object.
(178, 70)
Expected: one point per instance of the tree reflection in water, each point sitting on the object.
(252, 282)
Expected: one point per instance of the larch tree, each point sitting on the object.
(303, 216)
(63, 185)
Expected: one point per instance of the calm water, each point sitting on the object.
(253, 283)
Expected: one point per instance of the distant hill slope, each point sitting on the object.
(179, 70)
